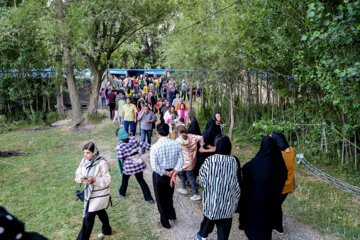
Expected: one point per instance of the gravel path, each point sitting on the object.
(189, 217)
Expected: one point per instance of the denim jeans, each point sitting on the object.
(103, 102)
(132, 127)
(189, 175)
(146, 133)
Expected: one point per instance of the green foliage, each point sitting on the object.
(96, 118)
(52, 117)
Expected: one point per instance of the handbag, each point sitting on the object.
(79, 195)
(136, 156)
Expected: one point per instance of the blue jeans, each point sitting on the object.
(132, 127)
(189, 175)
(145, 133)
(103, 102)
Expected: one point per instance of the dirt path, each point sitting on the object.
(189, 215)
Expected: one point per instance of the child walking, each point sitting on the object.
(188, 144)
(117, 116)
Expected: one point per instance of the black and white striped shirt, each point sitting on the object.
(219, 175)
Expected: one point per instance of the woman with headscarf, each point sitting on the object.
(212, 129)
(194, 127)
(262, 184)
(128, 151)
(189, 145)
(171, 118)
(183, 114)
(220, 176)
(94, 173)
(288, 155)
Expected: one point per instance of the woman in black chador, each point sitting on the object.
(212, 129)
(263, 181)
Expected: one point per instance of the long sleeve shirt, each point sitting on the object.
(124, 152)
(144, 118)
(166, 154)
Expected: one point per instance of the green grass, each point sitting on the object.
(315, 203)
(320, 205)
(40, 189)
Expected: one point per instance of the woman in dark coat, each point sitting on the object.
(263, 181)
(194, 126)
(212, 129)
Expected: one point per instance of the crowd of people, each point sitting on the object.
(256, 191)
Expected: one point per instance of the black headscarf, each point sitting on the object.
(211, 131)
(263, 181)
(280, 141)
(194, 128)
(223, 145)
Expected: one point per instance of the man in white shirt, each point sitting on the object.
(166, 160)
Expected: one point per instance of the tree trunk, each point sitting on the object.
(231, 128)
(355, 148)
(70, 79)
(203, 100)
(325, 141)
(267, 89)
(59, 100)
(44, 103)
(190, 101)
(68, 59)
(10, 112)
(96, 84)
(49, 103)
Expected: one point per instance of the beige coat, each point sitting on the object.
(100, 196)
(189, 147)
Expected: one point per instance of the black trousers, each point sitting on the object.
(164, 198)
(112, 108)
(88, 223)
(223, 227)
(140, 179)
(278, 223)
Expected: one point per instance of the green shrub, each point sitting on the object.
(96, 118)
(52, 117)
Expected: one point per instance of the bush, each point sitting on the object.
(96, 118)
(6, 126)
(52, 117)
(36, 118)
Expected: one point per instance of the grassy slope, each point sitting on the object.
(40, 190)
(320, 205)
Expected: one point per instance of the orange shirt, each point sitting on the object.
(289, 159)
(177, 107)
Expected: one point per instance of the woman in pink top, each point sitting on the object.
(183, 113)
(188, 144)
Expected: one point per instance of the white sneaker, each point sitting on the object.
(196, 197)
(101, 236)
(181, 190)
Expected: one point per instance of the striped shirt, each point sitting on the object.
(220, 177)
(166, 154)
